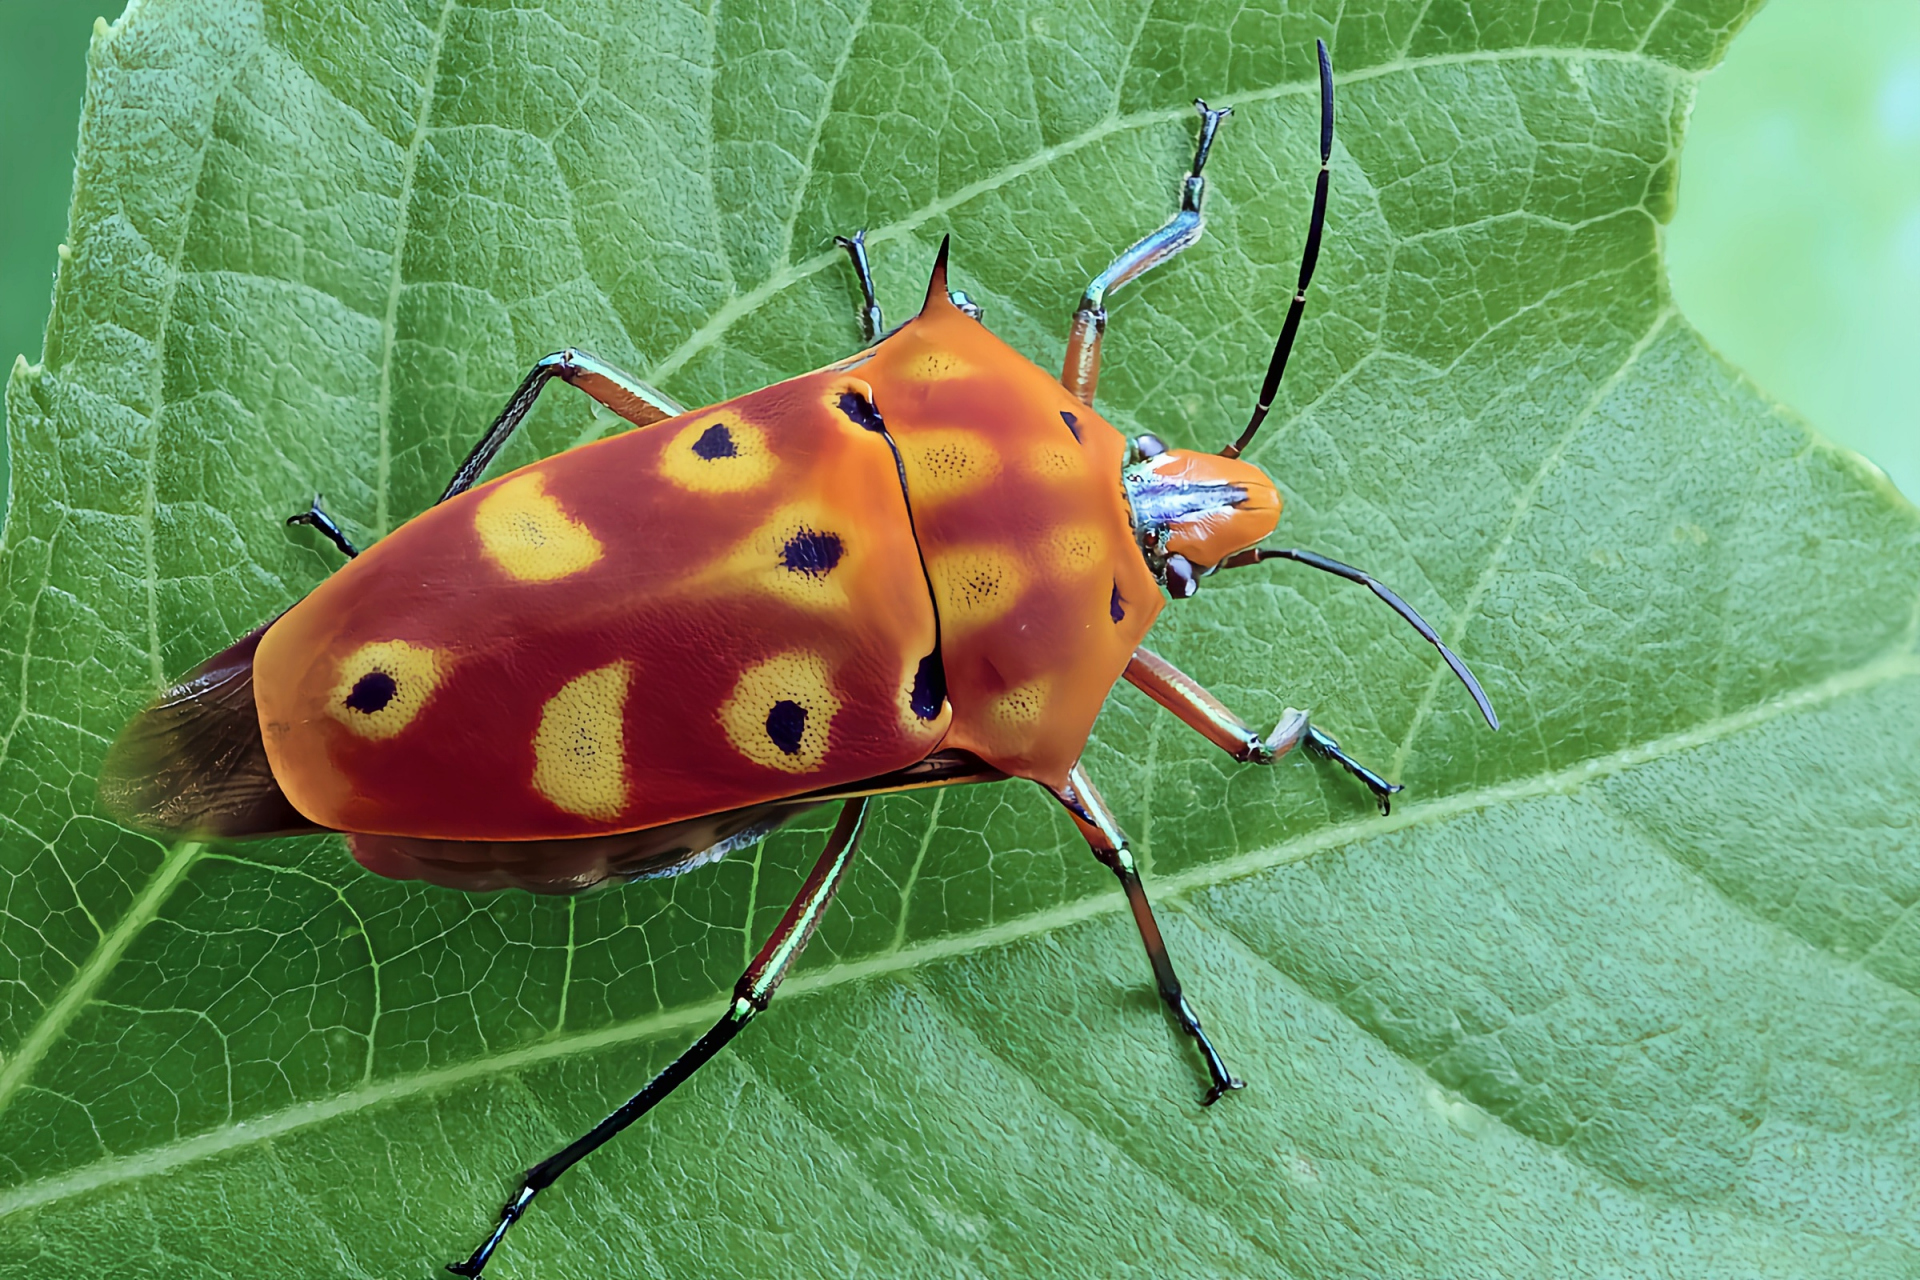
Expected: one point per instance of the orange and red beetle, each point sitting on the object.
(923, 565)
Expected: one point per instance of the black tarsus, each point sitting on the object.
(1282, 348)
(1319, 744)
(1394, 602)
(872, 324)
(316, 517)
(1210, 118)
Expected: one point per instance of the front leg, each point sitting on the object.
(1082, 369)
(1109, 843)
(1181, 694)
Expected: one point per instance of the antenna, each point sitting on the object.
(1284, 347)
(1258, 554)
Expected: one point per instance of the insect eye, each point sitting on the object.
(1150, 446)
(1182, 580)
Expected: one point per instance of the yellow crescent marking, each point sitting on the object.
(383, 707)
(946, 461)
(796, 677)
(526, 533)
(579, 750)
(718, 452)
(974, 585)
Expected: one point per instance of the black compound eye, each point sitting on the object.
(1182, 578)
(1150, 446)
(786, 723)
(814, 554)
(715, 442)
(371, 692)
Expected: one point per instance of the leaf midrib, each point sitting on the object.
(1897, 663)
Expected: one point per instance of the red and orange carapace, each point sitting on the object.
(923, 565)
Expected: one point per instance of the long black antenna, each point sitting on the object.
(1311, 559)
(1284, 347)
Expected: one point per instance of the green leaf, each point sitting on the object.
(1627, 989)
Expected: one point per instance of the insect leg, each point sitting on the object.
(317, 517)
(621, 392)
(750, 995)
(1082, 369)
(1181, 694)
(872, 325)
(1109, 844)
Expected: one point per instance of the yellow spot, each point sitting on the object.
(398, 679)
(527, 534)
(781, 712)
(947, 461)
(760, 562)
(937, 366)
(1073, 549)
(1056, 462)
(974, 585)
(1021, 706)
(718, 452)
(579, 750)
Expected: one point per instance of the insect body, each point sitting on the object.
(924, 565)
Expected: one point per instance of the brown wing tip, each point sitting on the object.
(192, 764)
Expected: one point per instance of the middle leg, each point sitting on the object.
(1109, 843)
(1181, 694)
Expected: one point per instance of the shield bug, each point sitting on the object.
(924, 565)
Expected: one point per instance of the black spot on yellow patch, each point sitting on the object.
(786, 724)
(860, 411)
(715, 442)
(929, 687)
(1073, 423)
(1116, 607)
(371, 692)
(814, 554)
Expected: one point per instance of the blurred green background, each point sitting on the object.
(1796, 249)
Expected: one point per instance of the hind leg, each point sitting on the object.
(621, 392)
(751, 995)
